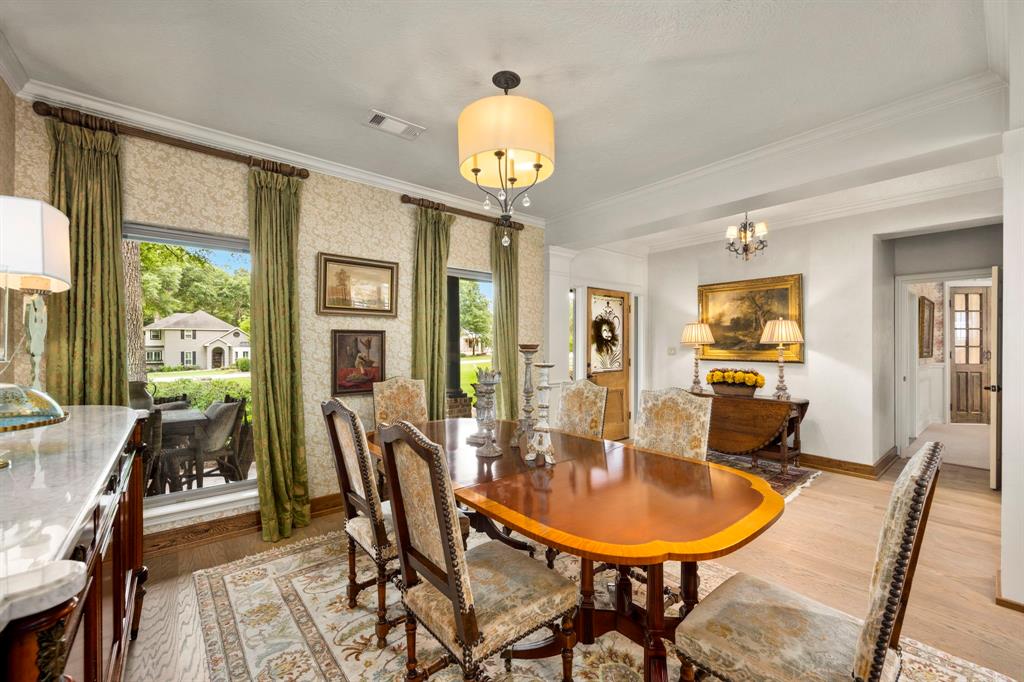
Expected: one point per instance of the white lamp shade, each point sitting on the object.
(732, 232)
(522, 128)
(697, 334)
(35, 248)
(781, 331)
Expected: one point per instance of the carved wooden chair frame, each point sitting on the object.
(899, 586)
(448, 579)
(355, 504)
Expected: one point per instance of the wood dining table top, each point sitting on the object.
(608, 501)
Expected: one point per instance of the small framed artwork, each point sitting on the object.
(925, 327)
(357, 361)
(356, 286)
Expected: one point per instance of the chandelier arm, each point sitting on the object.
(524, 190)
(484, 190)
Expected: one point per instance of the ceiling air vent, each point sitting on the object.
(394, 125)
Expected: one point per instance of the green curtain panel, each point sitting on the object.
(277, 418)
(86, 343)
(505, 271)
(430, 305)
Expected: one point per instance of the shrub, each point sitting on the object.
(243, 364)
(171, 368)
(202, 392)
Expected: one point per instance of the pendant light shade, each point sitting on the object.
(521, 128)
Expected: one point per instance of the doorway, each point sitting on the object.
(947, 357)
(217, 359)
(609, 357)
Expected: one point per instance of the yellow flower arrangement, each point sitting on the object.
(746, 377)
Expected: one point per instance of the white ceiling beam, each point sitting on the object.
(11, 70)
(949, 125)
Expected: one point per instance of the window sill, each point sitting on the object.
(175, 514)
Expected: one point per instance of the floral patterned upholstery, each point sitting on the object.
(675, 422)
(400, 399)
(749, 630)
(415, 476)
(361, 530)
(513, 596)
(581, 411)
(900, 526)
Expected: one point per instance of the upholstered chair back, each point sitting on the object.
(400, 399)
(581, 410)
(674, 421)
(354, 465)
(426, 525)
(895, 560)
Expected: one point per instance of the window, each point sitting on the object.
(243, 353)
(470, 327)
(191, 282)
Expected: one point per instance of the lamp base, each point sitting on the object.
(781, 391)
(696, 387)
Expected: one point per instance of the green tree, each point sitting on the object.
(475, 313)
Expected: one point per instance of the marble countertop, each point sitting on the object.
(57, 475)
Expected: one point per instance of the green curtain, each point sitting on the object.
(505, 270)
(86, 346)
(430, 305)
(277, 418)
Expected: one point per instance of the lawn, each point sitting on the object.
(467, 371)
(229, 372)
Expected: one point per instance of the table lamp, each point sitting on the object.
(781, 332)
(697, 334)
(35, 258)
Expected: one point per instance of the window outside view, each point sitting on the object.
(188, 311)
(476, 322)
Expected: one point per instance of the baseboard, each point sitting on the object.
(175, 539)
(1003, 601)
(869, 471)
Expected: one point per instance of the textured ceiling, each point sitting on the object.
(640, 90)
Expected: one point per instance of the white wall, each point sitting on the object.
(930, 391)
(848, 371)
(976, 247)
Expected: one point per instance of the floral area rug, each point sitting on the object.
(788, 485)
(282, 615)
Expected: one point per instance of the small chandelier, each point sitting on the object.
(506, 146)
(747, 240)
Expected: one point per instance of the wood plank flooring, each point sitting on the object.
(822, 547)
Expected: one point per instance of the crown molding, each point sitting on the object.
(841, 211)
(11, 70)
(54, 94)
(914, 106)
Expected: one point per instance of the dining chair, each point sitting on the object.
(675, 422)
(476, 603)
(581, 409)
(368, 521)
(751, 629)
(225, 454)
(400, 399)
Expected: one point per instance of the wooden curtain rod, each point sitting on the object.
(79, 118)
(444, 208)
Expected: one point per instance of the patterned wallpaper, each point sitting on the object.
(18, 370)
(6, 140)
(177, 188)
(934, 291)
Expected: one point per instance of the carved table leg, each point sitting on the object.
(482, 524)
(689, 583)
(624, 592)
(586, 630)
(655, 665)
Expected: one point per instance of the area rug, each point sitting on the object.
(787, 484)
(282, 615)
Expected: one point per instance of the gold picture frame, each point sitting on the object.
(737, 311)
(346, 285)
(925, 327)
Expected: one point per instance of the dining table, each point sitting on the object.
(188, 424)
(614, 505)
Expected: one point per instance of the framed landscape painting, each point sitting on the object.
(356, 286)
(738, 311)
(925, 327)
(357, 361)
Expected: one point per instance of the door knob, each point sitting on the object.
(994, 388)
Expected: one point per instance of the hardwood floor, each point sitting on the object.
(822, 547)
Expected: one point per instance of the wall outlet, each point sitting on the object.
(672, 350)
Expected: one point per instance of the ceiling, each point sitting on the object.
(640, 90)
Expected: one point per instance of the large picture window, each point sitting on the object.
(187, 301)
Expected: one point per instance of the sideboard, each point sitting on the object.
(71, 573)
(758, 427)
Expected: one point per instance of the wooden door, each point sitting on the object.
(970, 355)
(609, 359)
(995, 441)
